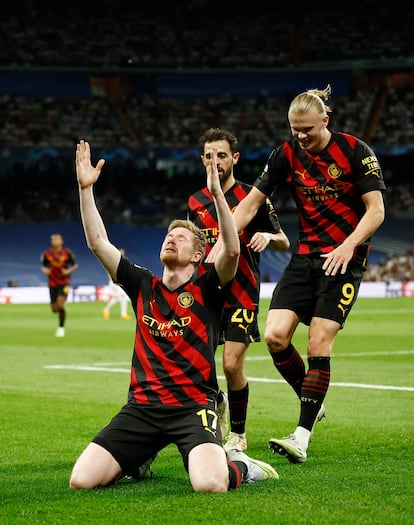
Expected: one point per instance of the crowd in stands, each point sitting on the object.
(392, 268)
(149, 121)
(124, 37)
(396, 118)
(143, 188)
(201, 33)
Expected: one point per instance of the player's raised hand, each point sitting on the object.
(87, 174)
(213, 180)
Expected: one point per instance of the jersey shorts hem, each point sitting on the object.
(240, 326)
(305, 289)
(138, 432)
(56, 291)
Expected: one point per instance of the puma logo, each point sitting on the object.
(300, 173)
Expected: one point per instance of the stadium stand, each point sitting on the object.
(20, 260)
(152, 78)
(154, 34)
(24, 243)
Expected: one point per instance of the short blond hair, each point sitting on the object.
(199, 237)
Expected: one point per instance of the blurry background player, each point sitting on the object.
(58, 263)
(239, 325)
(117, 296)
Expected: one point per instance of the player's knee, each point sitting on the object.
(86, 481)
(79, 482)
(211, 484)
(231, 368)
(275, 340)
(319, 347)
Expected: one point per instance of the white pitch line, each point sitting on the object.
(380, 311)
(85, 368)
(267, 357)
(352, 385)
(356, 354)
(365, 354)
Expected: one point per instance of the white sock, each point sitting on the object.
(302, 436)
(124, 307)
(110, 304)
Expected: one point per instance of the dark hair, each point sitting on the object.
(215, 134)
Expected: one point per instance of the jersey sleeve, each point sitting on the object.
(367, 169)
(273, 174)
(268, 221)
(131, 276)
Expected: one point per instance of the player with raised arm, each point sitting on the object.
(173, 383)
(239, 324)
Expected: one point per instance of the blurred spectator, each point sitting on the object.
(143, 34)
(393, 268)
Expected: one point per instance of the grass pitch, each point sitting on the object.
(57, 393)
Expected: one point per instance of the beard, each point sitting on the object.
(224, 176)
(168, 257)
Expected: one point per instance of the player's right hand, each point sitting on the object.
(86, 174)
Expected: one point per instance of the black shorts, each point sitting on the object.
(305, 289)
(138, 432)
(56, 291)
(239, 325)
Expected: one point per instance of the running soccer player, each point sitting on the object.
(58, 264)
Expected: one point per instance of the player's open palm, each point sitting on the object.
(213, 180)
(87, 174)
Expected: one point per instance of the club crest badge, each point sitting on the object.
(185, 300)
(334, 171)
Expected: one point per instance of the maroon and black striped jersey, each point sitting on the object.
(58, 260)
(244, 290)
(326, 187)
(176, 337)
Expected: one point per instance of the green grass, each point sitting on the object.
(360, 463)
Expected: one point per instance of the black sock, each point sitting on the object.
(238, 400)
(314, 388)
(290, 366)
(62, 317)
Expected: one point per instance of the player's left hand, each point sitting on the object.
(259, 242)
(337, 260)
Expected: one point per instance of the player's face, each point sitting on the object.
(178, 248)
(56, 241)
(310, 130)
(225, 160)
